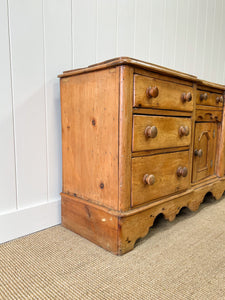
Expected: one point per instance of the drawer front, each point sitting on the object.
(208, 98)
(159, 175)
(156, 93)
(155, 132)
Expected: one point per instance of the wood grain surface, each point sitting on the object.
(90, 136)
(169, 94)
(211, 99)
(208, 115)
(164, 168)
(206, 141)
(167, 135)
(125, 136)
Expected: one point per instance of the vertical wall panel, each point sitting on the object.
(142, 34)
(7, 160)
(26, 30)
(181, 34)
(170, 33)
(106, 29)
(218, 50)
(201, 37)
(58, 54)
(125, 38)
(189, 62)
(156, 35)
(222, 57)
(84, 32)
(209, 39)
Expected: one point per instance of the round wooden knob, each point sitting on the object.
(182, 172)
(219, 99)
(203, 96)
(198, 152)
(151, 131)
(183, 131)
(152, 92)
(186, 97)
(149, 179)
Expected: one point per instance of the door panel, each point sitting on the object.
(204, 150)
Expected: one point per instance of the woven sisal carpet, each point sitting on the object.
(184, 259)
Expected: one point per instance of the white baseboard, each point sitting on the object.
(25, 221)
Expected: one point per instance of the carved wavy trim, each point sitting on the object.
(208, 116)
(139, 225)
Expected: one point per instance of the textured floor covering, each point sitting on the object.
(184, 259)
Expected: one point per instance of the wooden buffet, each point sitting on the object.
(138, 140)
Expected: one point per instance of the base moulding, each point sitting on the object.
(118, 231)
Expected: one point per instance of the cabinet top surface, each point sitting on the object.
(139, 64)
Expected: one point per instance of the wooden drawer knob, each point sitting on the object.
(182, 172)
(183, 131)
(203, 97)
(152, 92)
(149, 179)
(219, 99)
(198, 152)
(151, 131)
(186, 97)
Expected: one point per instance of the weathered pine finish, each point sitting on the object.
(169, 131)
(86, 137)
(208, 115)
(204, 150)
(164, 168)
(168, 96)
(208, 98)
(137, 142)
(125, 136)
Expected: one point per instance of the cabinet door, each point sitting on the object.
(204, 150)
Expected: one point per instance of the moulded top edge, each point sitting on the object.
(118, 61)
(204, 83)
(132, 62)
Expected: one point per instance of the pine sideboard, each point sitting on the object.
(138, 140)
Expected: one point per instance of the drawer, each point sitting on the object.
(159, 175)
(208, 98)
(204, 115)
(156, 132)
(156, 93)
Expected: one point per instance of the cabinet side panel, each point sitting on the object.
(89, 107)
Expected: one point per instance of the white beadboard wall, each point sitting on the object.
(42, 38)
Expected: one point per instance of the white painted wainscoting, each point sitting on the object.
(40, 39)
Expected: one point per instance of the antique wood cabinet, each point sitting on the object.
(138, 140)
